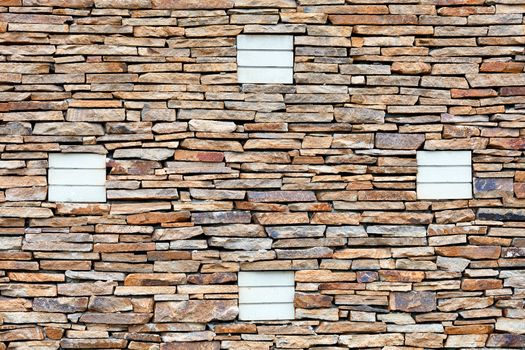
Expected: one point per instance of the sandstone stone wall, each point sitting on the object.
(207, 177)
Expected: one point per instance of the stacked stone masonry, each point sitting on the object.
(207, 177)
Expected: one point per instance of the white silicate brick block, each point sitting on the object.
(448, 158)
(266, 295)
(77, 161)
(444, 190)
(81, 177)
(266, 312)
(77, 177)
(264, 75)
(265, 59)
(265, 42)
(444, 175)
(80, 194)
(266, 278)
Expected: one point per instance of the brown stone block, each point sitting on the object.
(192, 4)
(411, 68)
(324, 276)
(465, 11)
(64, 265)
(122, 247)
(386, 195)
(236, 328)
(361, 341)
(502, 67)
(519, 189)
(281, 218)
(512, 91)
(470, 340)
(123, 4)
(154, 279)
(372, 19)
(91, 67)
(470, 329)
(455, 216)
(168, 255)
(312, 301)
(82, 209)
(196, 311)
(64, 305)
(508, 143)
(462, 93)
(116, 318)
(335, 218)
(399, 141)
(21, 334)
(93, 343)
(212, 278)
(401, 276)
(35, 277)
(506, 340)
(470, 252)
(481, 284)
(413, 301)
(158, 217)
(54, 332)
(424, 340)
(455, 304)
(210, 345)
(401, 218)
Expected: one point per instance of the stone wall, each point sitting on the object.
(207, 177)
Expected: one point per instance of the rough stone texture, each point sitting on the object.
(207, 177)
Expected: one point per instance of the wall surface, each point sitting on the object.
(207, 177)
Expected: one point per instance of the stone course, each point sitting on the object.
(207, 177)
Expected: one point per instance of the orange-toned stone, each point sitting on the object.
(502, 67)
(54, 333)
(192, 4)
(481, 284)
(158, 217)
(235, 328)
(467, 93)
(470, 329)
(373, 19)
(470, 252)
(519, 189)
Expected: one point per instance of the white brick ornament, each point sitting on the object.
(265, 59)
(444, 175)
(77, 177)
(266, 295)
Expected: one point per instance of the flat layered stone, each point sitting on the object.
(470, 252)
(196, 311)
(371, 340)
(209, 345)
(33, 317)
(413, 301)
(241, 243)
(226, 217)
(281, 196)
(64, 305)
(95, 115)
(447, 305)
(506, 340)
(107, 318)
(359, 115)
(154, 279)
(93, 343)
(501, 214)
(28, 333)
